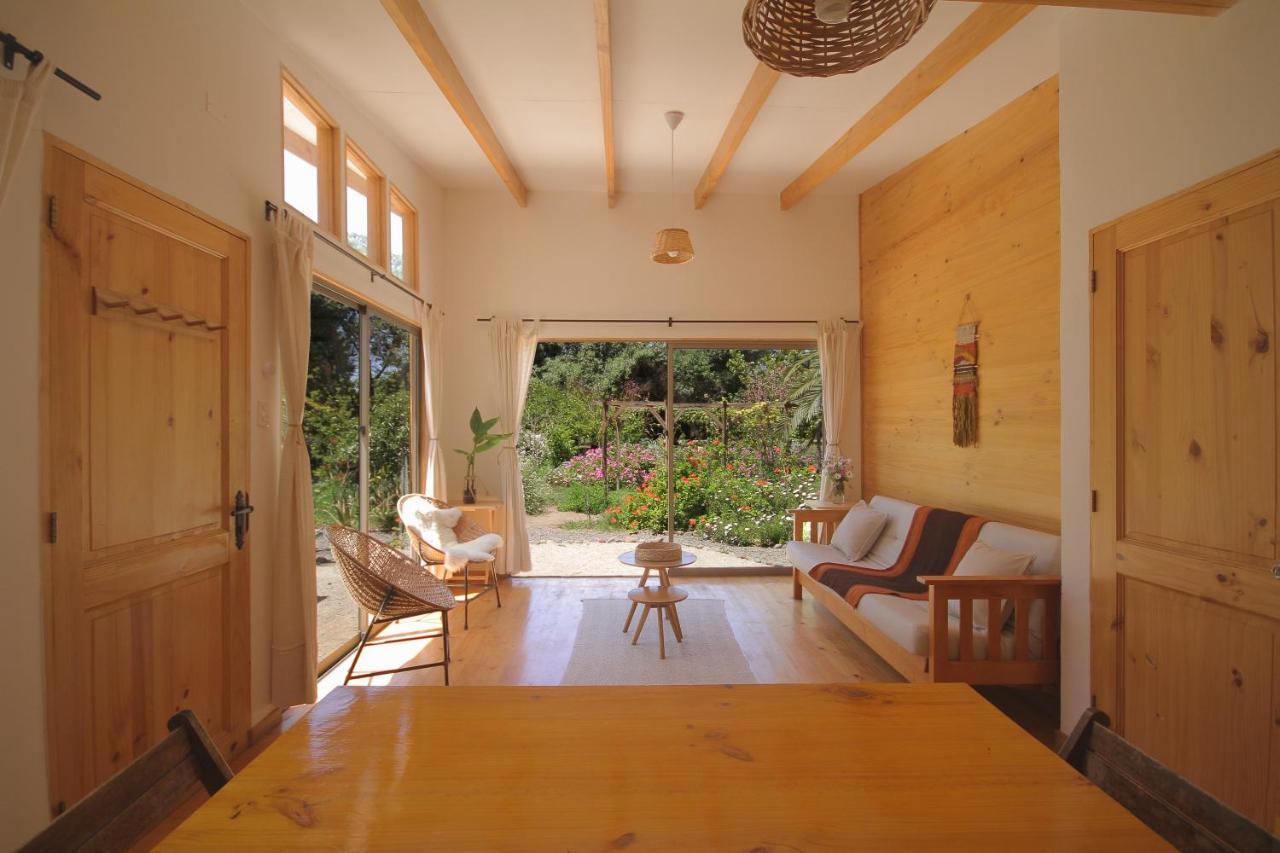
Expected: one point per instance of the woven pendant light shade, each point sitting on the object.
(672, 246)
(787, 35)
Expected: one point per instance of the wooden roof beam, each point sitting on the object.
(1173, 7)
(604, 59)
(757, 92)
(974, 35)
(417, 30)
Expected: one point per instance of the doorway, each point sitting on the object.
(737, 424)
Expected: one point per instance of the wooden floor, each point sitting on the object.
(529, 639)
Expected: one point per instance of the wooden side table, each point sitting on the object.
(662, 598)
(664, 580)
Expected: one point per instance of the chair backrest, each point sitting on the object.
(432, 552)
(139, 797)
(1182, 814)
(374, 572)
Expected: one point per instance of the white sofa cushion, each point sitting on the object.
(906, 622)
(858, 531)
(898, 517)
(805, 555)
(1046, 559)
(983, 560)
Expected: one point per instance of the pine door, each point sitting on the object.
(145, 448)
(1186, 568)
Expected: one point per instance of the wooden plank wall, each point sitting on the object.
(977, 220)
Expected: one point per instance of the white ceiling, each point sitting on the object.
(532, 68)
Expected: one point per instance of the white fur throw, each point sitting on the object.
(478, 550)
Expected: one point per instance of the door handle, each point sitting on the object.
(1275, 571)
(240, 513)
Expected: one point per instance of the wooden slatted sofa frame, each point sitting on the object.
(937, 665)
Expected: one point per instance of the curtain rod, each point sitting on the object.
(270, 207)
(13, 47)
(666, 321)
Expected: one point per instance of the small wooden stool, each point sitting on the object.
(664, 598)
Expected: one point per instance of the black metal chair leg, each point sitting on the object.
(497, 582)
(364, 638)
(448, 655)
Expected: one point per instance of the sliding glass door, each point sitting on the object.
(359, 425)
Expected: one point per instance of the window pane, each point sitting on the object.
(332, 429)
(397, 245)
(357, 221)
(390, 427)
(297, 121)
(302, 186)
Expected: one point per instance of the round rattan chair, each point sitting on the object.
(431, 554)
(391, 586)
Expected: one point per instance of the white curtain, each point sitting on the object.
(19, 100)
(513, 346)
(833, 359)
(293, 589)
(431, 320)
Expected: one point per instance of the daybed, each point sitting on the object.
(917, 631)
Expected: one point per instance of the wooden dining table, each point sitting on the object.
(769, 767)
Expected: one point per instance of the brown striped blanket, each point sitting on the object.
(936, 542)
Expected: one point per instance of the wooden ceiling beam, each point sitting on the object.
(1172, 7)
(604, 60)
(417, 30)
(961, 46)
(757, 92)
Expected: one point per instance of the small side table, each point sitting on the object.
(664, 580)
(663, 598)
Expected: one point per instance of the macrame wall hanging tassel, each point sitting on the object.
(964, 387)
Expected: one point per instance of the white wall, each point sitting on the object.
(567, 255)
(190, 106)
(1150, 104)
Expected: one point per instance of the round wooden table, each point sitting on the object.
(629, 559)
(662, 598)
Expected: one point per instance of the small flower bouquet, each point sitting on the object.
(839, 471)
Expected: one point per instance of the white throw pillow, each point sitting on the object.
(435, 526)
(858, 531)
(983, 560)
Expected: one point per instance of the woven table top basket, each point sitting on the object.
(787, 36)
(658, 552)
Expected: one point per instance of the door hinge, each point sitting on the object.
(1093, 501)
(51, 215)
(53, 528)
(1093, 281)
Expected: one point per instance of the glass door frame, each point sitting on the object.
(367, 310)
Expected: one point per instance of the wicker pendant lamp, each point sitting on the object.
(823, 38)
(673, 245)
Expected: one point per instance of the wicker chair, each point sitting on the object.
(391, 586)
(431, 554)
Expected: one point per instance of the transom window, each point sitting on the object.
(364, 205)
(402, 238)
(308, 156)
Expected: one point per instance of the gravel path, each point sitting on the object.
(546, 529)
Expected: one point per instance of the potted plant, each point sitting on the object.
(481, 440)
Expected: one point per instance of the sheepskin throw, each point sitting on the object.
(964, 387)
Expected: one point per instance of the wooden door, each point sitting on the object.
(145, 446)
(1185, 589)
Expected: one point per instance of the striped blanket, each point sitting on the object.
(936, 542)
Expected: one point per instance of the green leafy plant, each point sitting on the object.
(481, 440)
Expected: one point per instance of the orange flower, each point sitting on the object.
(813, 469)
(762, 482)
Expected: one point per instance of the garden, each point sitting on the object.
(746, 452)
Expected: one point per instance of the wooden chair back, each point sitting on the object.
(1182, 814)
(139, 797)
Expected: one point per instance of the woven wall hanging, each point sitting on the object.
(964, 387)
(838, 37)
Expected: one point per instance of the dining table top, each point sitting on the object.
(777, 767)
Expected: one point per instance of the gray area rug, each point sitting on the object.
(602, 654)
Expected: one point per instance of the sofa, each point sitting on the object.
(922, 635)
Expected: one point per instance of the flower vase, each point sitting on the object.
(837, 492)
(469, 491)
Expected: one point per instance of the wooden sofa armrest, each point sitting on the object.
(821, 522)
(1024, 592)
